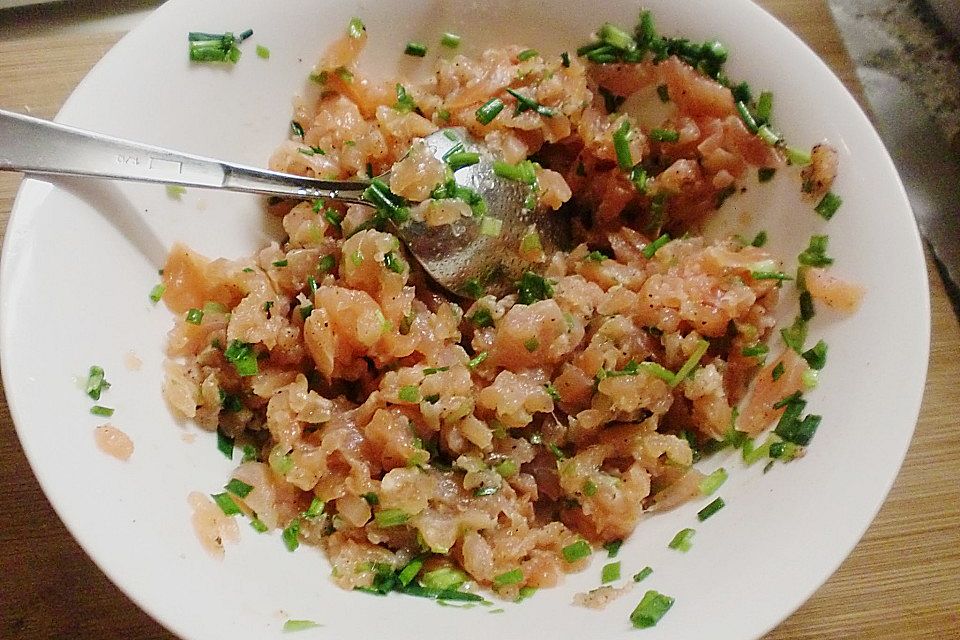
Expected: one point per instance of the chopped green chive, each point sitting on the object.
(621, 145)
(531, 344)
(755, 351)
(651, 609)
(194, 316)
(533, 288)
(409, 572)
(710, 509)
(576, 551)
(450, 40)
(482, 318)
(529, 104)
(770, 275)
(524, 172)
(462, 159)
(764, 107)
(664, 135)
(443, 578)
(649, 250)
(263, 52)
(443, 115)
(530, 242)
(815, 255)
(243, 358)
(371, 498)
(216, 47)
(356, 28)
(597, 256)
(257, 525)
(315, 508)
(157, 292)
(238, 488)
(795, 335)
(296, 128)
(326, 263)
(489, 111)
(526, 54)
(394, 263)
(225, 444)
(777, 371)
(616, 37)
(481, 492)
(797, 157)
(405, 103)
(642, 574)
(664, 92)
(712, 482)
(525, 592)
(415, 49)
(291, 626)
(759, 240)
(508, 578)
(747, 117)
(613, 548)
(226, 504)
(96, 382)
(691, 362)
(565, 59)
(816, 356)
(610, 572)
(291, 535)
(391, 517)
(590, 489)
(409, 393)
(476, 360)
(683, 541)
(98, 410)
(280, 263)
(389, 206)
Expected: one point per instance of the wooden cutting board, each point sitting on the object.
(901, 582)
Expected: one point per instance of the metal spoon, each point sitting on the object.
(458, 256)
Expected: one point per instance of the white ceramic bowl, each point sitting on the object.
(80, 258)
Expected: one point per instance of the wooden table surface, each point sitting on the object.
(902, 581)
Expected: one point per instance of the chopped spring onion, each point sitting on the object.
(795, 335)
(642, 574)
(651, 609)
(226, 504)
(828, 205)
(486, 113)
(664, 135)
(508, 578)
(391, 517)
(533, 288)
(98, 410)
(767, 134)
(490, 226)
(524, 172)
(462, 159)
(225, 444)
(263, 52)
(243, 358)
(290, 626)
(610, 572)
(96, 382)
(816, 356)
(404, 103)
(450, 40)
(194, 316)
(652, 248)
(797, 157)
(238, 488)
(443, 578)
(175, 191)
(157, 292)
(710, 509)
(691, 362)
(409, 393)
(576, 551)
(613, 548)
(790, 426)
(765, 174)
(713, 481)
(747, 117)
(759, 240)
(389, 205)
(415, 49)
(621, 145)
(683, 540)
(529, 104)
(356, 28)
(506, 468)
(526, 54)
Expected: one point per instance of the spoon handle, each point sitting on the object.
(36, 146)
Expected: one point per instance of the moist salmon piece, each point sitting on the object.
(835, 292)
(760, 412)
